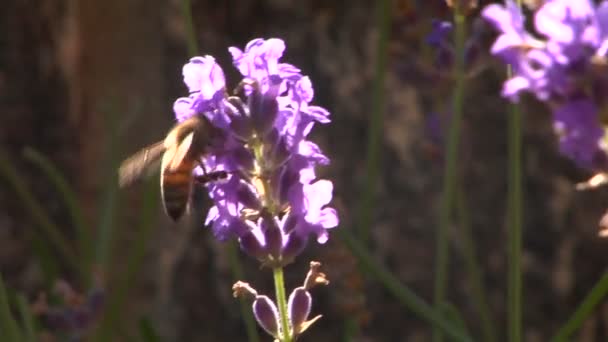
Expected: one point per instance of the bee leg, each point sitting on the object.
(236, 105)
(211, 177)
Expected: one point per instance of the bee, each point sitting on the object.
(179, 153)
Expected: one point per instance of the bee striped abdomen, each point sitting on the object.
(176, 186)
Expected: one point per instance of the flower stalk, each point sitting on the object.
(450, 172)
(279, 287)
(515, 225)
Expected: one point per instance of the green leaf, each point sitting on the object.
(8, 325)
(27, 318)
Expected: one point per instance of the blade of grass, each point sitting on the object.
(401, 292)
(450, 174)
(71, 201)
(48, 262)
(591, 301)
(372, 165)
(49, 229)
(109, 197)
(134, 260)
(27, 318)
(488, 327)
(455, 316)
(8, 325)
(237, 273)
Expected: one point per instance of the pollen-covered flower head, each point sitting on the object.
(272, 200)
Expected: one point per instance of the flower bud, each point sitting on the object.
(273, 237)
(299, 305)
(264, 108)
(267, 315)
(252, 246)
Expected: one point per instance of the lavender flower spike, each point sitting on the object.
(565, 67)
(272, 200)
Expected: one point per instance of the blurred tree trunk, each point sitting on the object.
(34, 102)
(71, 74)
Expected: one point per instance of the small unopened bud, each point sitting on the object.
(252, 246)
(272, 236)
(267, 315)
(246, 196)
(300, 302)
(293, 247)
(314, 276)
(264, 109)
(299, 305)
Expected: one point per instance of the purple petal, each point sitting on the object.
(182, 107)
(299, 304)
(512, 87)
(579, 129)
(204, 75)
(267, 315)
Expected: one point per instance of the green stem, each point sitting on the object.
(595, 297)
(401, 292)
(515, 213)
(488, 327)
(237, 273)
(515, 207)
(450, 172)
(9, 329)
(108, 198)
(515, 225)
(279, 287)
(189, 25)
(373, 144)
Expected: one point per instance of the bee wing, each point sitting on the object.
(143, 162)
(174, 155)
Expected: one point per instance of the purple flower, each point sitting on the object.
(579, 130)
(441, 39)
(564, 66)
(272, 200)
(513, 38)
(439, 36)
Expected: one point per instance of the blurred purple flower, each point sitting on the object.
(440, 32)
(441, 39)
(272, 200)
(565, 66)
(578, 130)
(76, 317)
